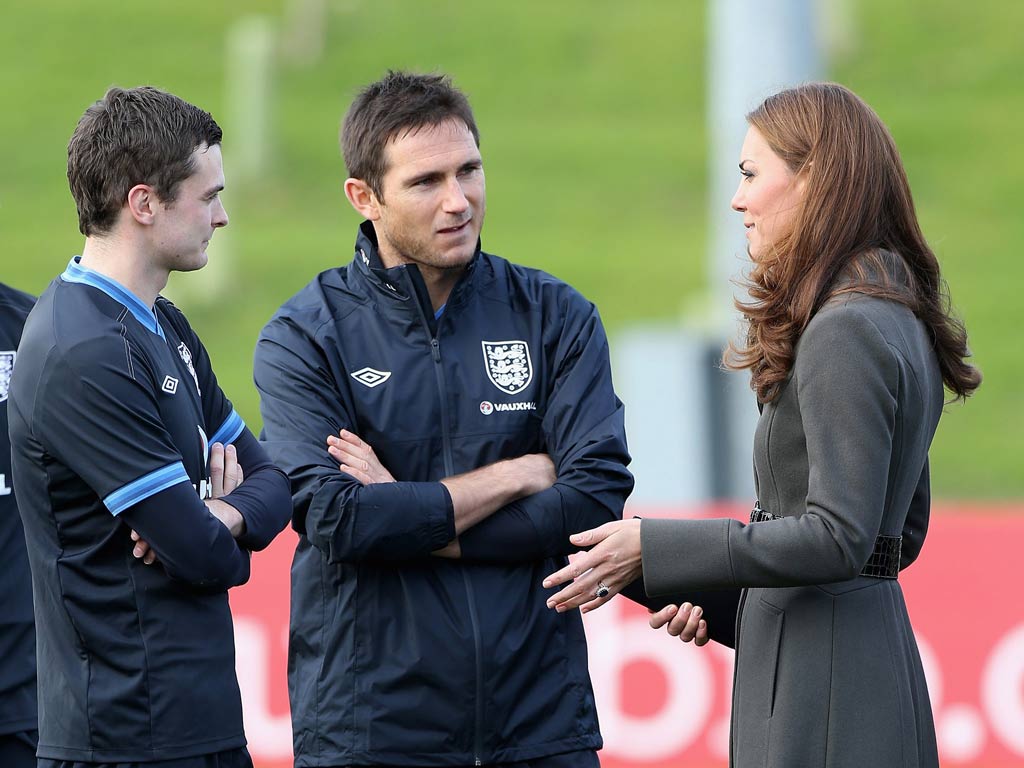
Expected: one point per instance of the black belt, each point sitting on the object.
(884, 562)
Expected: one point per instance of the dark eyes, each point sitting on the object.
(746, 174)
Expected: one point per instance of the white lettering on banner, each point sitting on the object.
(270, 736)
(5, 489)
(1002, 689)
(616, 641)
(719, 732)
(958, 727)
(667, 703)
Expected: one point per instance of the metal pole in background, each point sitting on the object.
(755, 47)
(690, 424)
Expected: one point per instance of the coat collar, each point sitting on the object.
(404, 281)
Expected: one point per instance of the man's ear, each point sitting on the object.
(362, 198)
(142, 203)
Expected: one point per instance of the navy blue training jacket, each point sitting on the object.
(396, 656)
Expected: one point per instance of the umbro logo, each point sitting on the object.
(371, 377)
(170, 385)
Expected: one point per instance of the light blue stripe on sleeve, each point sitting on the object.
(229, 430)
(146, 486)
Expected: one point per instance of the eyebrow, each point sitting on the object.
(436, 175)
(214, 190)
(428, 176)
(741, 164)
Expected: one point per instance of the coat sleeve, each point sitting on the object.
(584, 433)
(847, 381)
(301, 405)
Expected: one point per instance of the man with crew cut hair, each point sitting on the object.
(447, 419)
(141, 490)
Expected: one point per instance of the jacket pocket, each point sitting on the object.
(757, 657)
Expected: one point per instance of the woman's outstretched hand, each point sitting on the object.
(596, 576)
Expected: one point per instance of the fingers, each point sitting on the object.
(702, 634)
(658, 619)
(142, 550)
(217, 470)
(358, 474)
(685, 622)
(579, 565)
(343, 456)
(232, 472)
(357, 458)
(353, 439)
(582, 594)
(595, 535)
(583, 591)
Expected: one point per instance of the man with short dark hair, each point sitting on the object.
(141, 490)
(18, 722)
(468, 405)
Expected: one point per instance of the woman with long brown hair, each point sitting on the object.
(850, 342)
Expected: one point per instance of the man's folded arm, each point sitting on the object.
(347, 521)
(263, 498)
(584, 431)
(191, 544)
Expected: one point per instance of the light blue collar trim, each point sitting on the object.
(76, 273)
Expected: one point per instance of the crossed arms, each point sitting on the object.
(516, 510)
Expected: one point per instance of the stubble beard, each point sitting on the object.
(412, 250)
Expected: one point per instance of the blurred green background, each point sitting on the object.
(592, 115)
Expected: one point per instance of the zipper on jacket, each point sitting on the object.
(446, 439)
(474, 621)
(449, 469)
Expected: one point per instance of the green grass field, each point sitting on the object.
(594, 138)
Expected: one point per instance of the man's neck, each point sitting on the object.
(440, 283)
(119, 260)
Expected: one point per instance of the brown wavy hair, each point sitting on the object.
(855, 230)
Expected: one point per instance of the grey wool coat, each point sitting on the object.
(827, 668)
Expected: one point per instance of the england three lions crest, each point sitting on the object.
(508, 365)
(6, 366)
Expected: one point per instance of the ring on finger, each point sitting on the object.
(602, 590)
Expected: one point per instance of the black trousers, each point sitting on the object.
(583, 759)
(230, 758)
(18, 750)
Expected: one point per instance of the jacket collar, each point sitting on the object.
(404, 281)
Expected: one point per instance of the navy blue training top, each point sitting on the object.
(17, 638)
(113, 407)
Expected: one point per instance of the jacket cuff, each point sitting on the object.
(681, 555)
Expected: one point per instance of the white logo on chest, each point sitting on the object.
(186, 356)
(371, 377)
(508, 365)
(6, 368)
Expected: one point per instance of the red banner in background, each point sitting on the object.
(664, 703)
